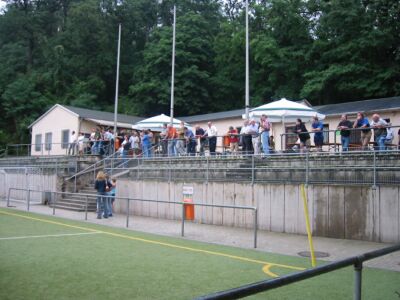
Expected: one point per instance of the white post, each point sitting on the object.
(117, 81)
(247, 96)
(173, 68)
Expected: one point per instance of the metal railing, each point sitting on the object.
(45, 149)
(266, 285)
(356, 167)
(355, 142)
(114, 161)
(128, 200)
(40, 149)
(64, 148)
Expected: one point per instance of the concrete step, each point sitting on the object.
(78, 201)
(75, 205)
(88, 191)
(80, 197)
(79, 209)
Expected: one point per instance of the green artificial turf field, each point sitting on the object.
(51, 258)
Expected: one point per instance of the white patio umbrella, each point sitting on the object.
(156, 123)
(285, 111)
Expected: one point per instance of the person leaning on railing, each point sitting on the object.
(345, 134)
(398, 145)
(303, 135)
(362, 122)
(81, 143)
(171, 136)
(164, 140)
(265, 127)
(211, 134)
(317, 127)
(247, 146)
(72, 144)
(389, 134)
(233, 140)
(190, 141)
(180, 142)
(200, 135)
(379, 125)
(146, 143)
(255, 137)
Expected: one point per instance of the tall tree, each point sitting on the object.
(354, 54)
(194, 67)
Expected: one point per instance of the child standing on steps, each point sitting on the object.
(111, 194)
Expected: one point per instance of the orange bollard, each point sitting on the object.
(189, 209)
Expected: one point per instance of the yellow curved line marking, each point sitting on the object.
(266, 270)
(158, 243)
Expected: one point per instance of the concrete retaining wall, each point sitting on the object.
(41, 182)
(350, 212)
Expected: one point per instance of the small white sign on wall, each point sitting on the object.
(187, 190)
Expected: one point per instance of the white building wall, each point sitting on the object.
(55, 121)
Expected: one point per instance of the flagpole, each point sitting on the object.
(247, 96)
(117, 82)
(173, 68)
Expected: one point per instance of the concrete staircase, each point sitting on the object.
(77, 201)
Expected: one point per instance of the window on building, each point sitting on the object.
(290, 137)
(48, 140)
(38, 142)
(64, 138)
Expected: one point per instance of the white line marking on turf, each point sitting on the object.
(46, 236)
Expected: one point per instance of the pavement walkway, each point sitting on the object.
(281, 243)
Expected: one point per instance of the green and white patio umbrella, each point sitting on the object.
(156, 123)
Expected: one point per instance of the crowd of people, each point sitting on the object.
(251, 137)
(254, 137)
(103, 141)
(383, 132)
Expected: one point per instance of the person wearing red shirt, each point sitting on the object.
(171, 137)
(233, 140)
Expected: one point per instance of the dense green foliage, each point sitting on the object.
(64, 51)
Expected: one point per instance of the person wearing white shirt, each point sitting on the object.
(255, 137)
(245, 136)
(389, 134)
(72, 144)
(211, 133)
(81, 143)
(135, 141)
(379, 125)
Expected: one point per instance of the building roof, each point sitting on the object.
(100, 117)
(214, 116)
(371, 105)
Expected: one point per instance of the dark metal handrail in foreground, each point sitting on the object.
(265, 285)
